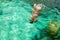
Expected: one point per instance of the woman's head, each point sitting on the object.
(37, 6)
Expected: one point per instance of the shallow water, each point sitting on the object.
(15, 21)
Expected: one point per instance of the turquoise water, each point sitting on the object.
(15, 21)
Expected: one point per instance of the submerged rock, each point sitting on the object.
(52, 28)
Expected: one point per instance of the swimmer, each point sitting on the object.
(35, 12)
